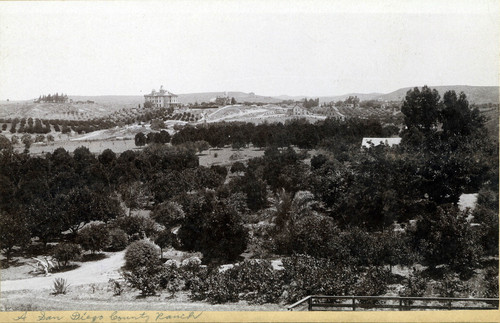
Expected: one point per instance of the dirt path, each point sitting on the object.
(88, 273)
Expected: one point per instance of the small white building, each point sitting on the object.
(162, 98)
(368, 142)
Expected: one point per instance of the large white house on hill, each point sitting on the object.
(161, 98)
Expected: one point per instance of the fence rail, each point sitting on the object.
(329, 303)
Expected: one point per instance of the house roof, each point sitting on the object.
(160, 93)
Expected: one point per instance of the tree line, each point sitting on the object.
(52, 98)
(297, 132)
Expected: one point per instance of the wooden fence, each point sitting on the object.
(343, 303)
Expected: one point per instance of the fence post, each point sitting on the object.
(353, 303)
(400, 304)
(309, 304)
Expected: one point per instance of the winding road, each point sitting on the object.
(88, 273)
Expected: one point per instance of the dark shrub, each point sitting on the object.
(373, 283)
(252, 280)
(141, 253)
(136, 226)
(318, 161)
(93, 237)
(452, 286)
(446, 237)
(312, 235)
(237, 167)
(414, 285)
(118, 239)
(143, 267)
(213, 227)
(168, 213)
(66, 252)
(305, 275)
(171, 278)
(144, 278)
(491, 282)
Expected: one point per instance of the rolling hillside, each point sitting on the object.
(108, 104)
(475, 94)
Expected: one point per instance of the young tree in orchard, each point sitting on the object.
(140, 139)
(107, 157)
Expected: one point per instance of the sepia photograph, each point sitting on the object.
(171, 160)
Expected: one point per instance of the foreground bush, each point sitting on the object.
(256, 281)
(142, 253)
(414, 285)
(491, 282)
(143, 267)
(144, 278)
(306, 275)
(252, 280)
(372, 283)
(171, 278)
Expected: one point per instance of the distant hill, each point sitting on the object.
(361, 96)
(475, 94)
(109, 99)
(238, 96)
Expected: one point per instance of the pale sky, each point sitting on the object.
(313, 48)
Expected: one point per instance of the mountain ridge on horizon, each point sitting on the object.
(475, 95)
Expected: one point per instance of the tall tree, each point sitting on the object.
(457, 117)
(421, 112)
